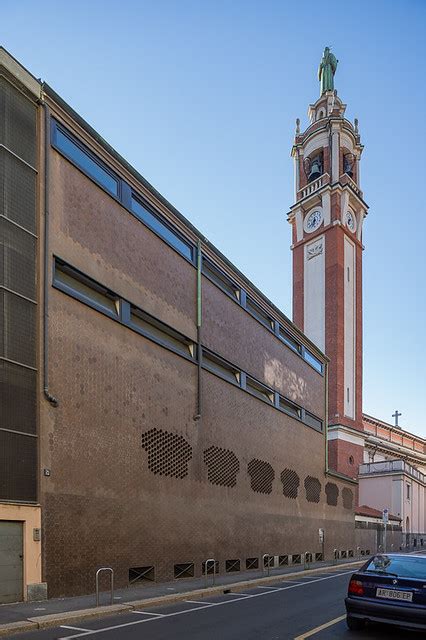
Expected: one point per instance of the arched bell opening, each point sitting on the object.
(314, 166)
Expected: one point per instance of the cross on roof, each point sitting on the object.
(396, 416)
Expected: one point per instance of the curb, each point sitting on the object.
(55, 619)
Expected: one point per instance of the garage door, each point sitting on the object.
(10, 561)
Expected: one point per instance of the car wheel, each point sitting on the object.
(354, 624)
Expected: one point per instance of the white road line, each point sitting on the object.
(231, 593)
(207, 606)
(148, 613)
(64, 626)
(213, 604)
(274, 588)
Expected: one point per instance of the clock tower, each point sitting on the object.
(327, 219)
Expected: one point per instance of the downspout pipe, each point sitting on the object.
(53, 401)
(199, 347)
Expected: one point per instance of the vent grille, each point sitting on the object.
(17, 259)
(17, 123)
(222, 466)
(261, 476)
(290, 481)
(210, 566)
(141, 574)
(18, 467)
(252, 563)
(232, 565)
(347, 497)
(17, 398)
(282, 561)
(17, 329)
(332, 493)
(168, 453)
(313, 489)
(184, 570)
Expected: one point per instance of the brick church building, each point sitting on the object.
(156, 408)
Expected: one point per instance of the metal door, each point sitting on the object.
(11, 552)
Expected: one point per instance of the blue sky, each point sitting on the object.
(201, 97)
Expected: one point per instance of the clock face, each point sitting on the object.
(350, 221)
(313, 221)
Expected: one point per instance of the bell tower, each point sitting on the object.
(327, 220)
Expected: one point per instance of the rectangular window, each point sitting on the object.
(290, 408)
(313, 361)
(288, 339)
(221, 367)
(259, 390)
(159, 332)
(312, 421)
(162, 229)
(85, 289)
(408, 491)
(220, 279)
(79, 155)
(259, 314)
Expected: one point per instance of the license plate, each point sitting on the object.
(393, 594)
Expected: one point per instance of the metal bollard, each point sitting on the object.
(97, 583)
(206, 566)
(266, 555)
(306, 560)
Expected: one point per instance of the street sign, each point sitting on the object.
(321, 535)
(385, 516)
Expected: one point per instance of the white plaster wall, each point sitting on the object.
(314, 291)
(349, 328)
(376, 492)
(317, 142)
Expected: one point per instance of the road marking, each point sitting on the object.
(64, 626)
(312, 632)
(213, 604)
(148, 613)
(274, 588)
(247, 595)
(206, 606)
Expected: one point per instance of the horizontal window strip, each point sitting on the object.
(161, 228)
(83, 158)
(86, 290)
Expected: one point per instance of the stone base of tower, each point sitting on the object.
(345, 450)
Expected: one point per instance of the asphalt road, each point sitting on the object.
(309, 607)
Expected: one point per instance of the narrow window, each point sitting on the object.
(221, 367)
(220, 279)
(312, 421)
(162, 229)
(313, 361)
(290, 408)
(289, 340)
(408, 492)
(79, 155)
(159, 332)
(259, 314)
(85, 289)
(259, 390)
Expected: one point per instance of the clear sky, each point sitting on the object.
(201, 97)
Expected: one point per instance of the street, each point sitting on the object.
(306, 607)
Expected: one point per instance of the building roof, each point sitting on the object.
(369, 512)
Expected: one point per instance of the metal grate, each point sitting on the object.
(296, 558)
(252, 563)
(350, 553)
(18, 398)
(168, 453)
(184, 570)
(222, 466)
(261, 475)
(210, 567)
(268, 561)
(17, 329)
(18, 467)
(17, 122)
(332, 493)
(319, 557)
(313, 489)
(232, 565)
(141, 574)
(282, 561)
(347, 497)
(290, 481)
(17, 259)
(17, 191)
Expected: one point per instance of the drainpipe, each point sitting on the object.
(199, 321)
(53, 401)
(326, 417)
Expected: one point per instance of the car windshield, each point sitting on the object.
(407, 567)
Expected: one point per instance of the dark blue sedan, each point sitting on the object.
(389, 588)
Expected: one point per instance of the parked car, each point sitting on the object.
(389, 588)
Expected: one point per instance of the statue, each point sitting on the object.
(326, 71)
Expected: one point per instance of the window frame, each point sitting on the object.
(55, 127)
(220, 279)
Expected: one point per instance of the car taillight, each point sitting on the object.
(356, 588)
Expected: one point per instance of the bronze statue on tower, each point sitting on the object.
(326, 71)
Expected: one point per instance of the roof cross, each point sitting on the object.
(396, 416)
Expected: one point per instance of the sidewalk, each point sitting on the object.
(35, 615)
